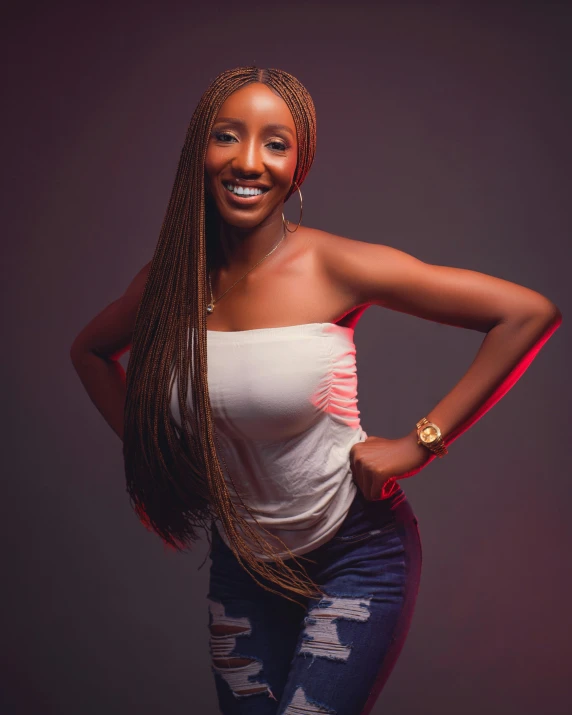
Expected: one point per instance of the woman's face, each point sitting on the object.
(252, 144)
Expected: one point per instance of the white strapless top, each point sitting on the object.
(284, 403)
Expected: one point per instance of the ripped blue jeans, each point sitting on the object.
(270, 656)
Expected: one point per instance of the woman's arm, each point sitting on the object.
(504, 355)
(517, 321)
(96, 350)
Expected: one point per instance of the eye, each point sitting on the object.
(227, 138)
(280, 145)
(220, 135)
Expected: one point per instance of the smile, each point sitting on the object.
(243, 194)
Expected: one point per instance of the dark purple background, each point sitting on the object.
(443, 132)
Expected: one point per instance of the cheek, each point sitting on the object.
(210, 167)
(284, 170)
(214, 161)
(292, 164)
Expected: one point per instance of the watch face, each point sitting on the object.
(429, 433)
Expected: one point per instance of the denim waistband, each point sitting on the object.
(363, 511)
(389, 503)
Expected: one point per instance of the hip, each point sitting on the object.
(377, 546)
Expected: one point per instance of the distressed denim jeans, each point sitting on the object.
(271, 656)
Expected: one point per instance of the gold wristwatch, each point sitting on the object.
(429, 435)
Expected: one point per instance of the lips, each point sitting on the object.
(239, 200)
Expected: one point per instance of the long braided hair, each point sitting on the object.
(174, 477)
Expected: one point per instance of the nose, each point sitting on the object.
(248, 158)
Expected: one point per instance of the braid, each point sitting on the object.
(174, 478)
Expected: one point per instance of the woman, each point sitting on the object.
(269, 456)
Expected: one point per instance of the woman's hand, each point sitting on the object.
(377, 460)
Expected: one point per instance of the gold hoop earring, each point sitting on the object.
(285, 220)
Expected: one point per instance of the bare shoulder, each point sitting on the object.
(378, 274)
(359, 267)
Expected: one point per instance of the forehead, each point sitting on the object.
(258, 104)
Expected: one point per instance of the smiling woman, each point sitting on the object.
(261, 444)
(250, 162)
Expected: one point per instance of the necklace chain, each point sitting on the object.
(211, 305)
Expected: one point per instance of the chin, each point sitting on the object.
(234, 218)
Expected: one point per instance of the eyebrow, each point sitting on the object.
(240, 122)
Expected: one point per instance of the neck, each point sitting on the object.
(240, 248)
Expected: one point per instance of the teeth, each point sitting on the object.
(243, 191)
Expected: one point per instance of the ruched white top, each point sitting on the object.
(284, 403)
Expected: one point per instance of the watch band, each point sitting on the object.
(438, 446)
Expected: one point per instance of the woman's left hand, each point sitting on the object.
(377, 460)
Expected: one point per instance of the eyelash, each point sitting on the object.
(218, 136)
